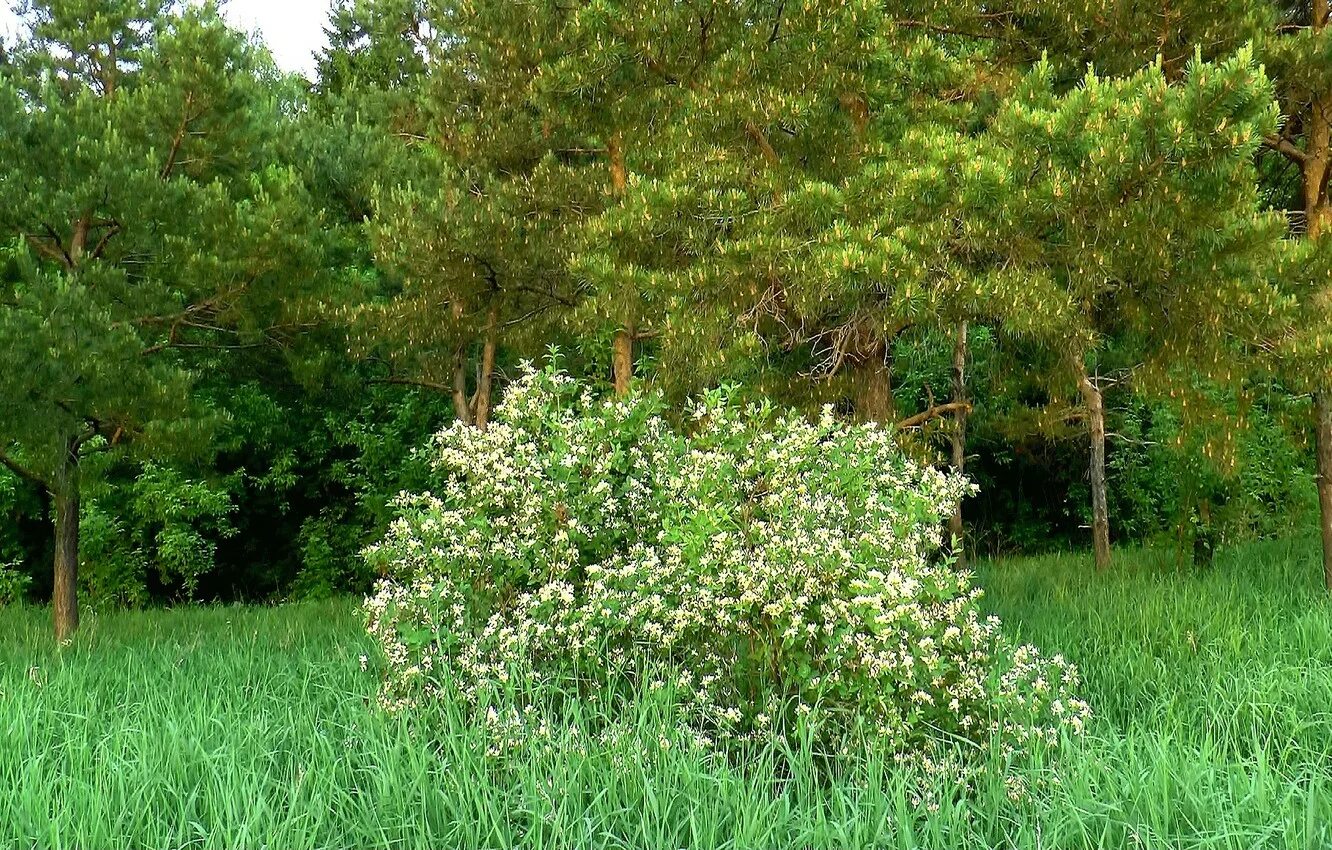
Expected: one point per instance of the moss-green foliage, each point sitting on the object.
(227, 727)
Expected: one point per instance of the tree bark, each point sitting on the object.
(959, 435)
(622, 363)
(1323, 434)
(875, 402)
(1095, 403)
(462, 407)
(622, 348)
(618, 171)
(65, 501)
(78, 241)
(1318, 146)
(486, 378)
(1316, 166)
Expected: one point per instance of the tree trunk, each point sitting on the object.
(1318, 146)
(1318, 218)
(65, 501)
(1323, 434)
(1095, 403)
(622, 351)
(619, 172)
(78, 241)
(462, 408)
(874, 402)
(486, 378)
(959, 436)
(623, 360)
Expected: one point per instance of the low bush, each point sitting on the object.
(774, 573)
(14, 583)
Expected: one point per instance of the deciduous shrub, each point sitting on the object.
(14, 583)
(773, 572)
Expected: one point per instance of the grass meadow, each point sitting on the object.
(257, 727)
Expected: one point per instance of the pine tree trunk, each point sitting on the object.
(959, 436)
(1317, 166)
(619, 171)
(1095, 404)
(486, 379)
(462, 409)
(1323, 434)
(875, 400)
(65, 501)
(1318, 218)
(622, 351)
(623, 360)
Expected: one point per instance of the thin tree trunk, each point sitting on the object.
(1318, 218)
(78, 241)
(1318, 145)
(619, 172)
(622, 363)
(959, 436)
(874, 402)
(65, 501)
(462, 409)
(1323, 434)
(1095, 403)
(486, 378)
(622, 351)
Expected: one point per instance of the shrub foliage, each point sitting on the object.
(774, 572)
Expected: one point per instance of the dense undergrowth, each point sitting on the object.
(252, 727)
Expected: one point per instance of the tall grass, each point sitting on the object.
(243, 727)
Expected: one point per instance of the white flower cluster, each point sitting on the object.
(773, 571)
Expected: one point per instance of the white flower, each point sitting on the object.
(751, 554)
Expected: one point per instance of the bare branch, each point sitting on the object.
(934, 413)
(1287, 148)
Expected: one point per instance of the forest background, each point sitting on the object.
(1081, 253)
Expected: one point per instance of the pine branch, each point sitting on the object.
(112, 229)
(412, 382)
(26, 474)
(946, 30)
(1287, 148)
(759, 137)
(934, 413)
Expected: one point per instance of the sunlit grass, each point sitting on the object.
(244, 727)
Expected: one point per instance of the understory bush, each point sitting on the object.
(14, 583)
(163, 522)
(775, 574)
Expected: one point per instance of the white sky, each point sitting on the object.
(292, 29)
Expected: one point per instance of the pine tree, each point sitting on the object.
(474, 221)
(1137, 199)
(149, 225)
(1293, 40)
(762, 211)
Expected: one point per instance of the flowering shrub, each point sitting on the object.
(770, 571)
